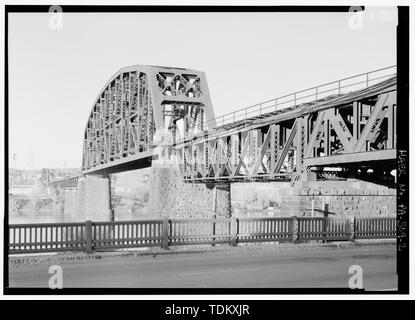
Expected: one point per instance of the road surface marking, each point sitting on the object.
(220, 271)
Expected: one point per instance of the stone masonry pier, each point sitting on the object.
(171, 197)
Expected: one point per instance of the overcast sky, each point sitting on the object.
(55, 75)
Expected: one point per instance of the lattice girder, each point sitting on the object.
(130, 111)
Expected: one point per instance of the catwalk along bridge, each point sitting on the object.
(145, 113)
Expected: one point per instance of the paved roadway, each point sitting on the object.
(235, 268)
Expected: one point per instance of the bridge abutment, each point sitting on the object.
(314, 198)
(172, 197)
(345, 198)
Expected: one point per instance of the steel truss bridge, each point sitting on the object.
(150, 112)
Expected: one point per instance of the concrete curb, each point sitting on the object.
(81, 257)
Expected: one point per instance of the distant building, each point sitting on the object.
(47, 175)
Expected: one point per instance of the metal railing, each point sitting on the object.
(47, 237)
(341, 86)
(127, 234)
(100, 236)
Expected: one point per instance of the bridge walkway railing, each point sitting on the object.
(341, 86)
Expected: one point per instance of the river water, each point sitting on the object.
(30, 216)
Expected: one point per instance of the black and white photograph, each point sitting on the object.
(206, 149)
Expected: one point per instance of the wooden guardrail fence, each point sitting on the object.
(98, 236)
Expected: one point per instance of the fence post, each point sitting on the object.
(213, 230)
(165, 244)
(325, 221)
(294, 226)
(312, 208)
(88, 231)
(234, 231)
(352, 227)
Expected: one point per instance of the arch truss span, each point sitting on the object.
(140, 108)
